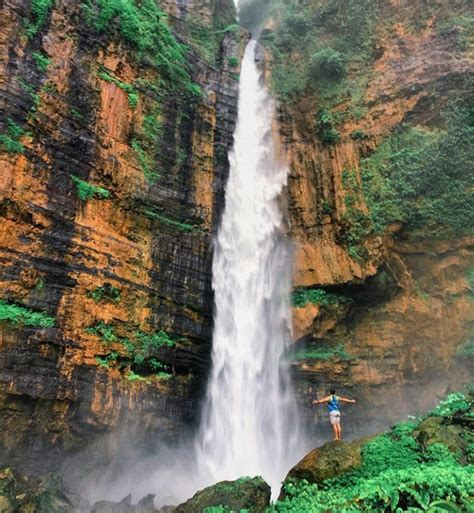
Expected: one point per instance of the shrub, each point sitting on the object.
(466, 350)
(327, 64)
(42, 62)
(106, 293)
(39, 13)
(145, 161)
(144, 26)
(323, 353)
(233, 61)
(301, 297)
(10, 140)
(21, 315)
(328, 134)
(138, 346)
(451, 405)
(87, 191)
(421, 177)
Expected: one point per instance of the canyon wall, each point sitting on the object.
(383, 315)
(114, 160)
(114, 141)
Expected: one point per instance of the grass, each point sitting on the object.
(22, 316)
(86, 191)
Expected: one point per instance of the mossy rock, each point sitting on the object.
(28, 496)
(251, 494)
(437, 430)
(5, 505)
(330, 460)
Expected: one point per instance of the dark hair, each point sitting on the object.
(332, 391)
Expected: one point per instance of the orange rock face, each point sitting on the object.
(150, 240)
(411, 301)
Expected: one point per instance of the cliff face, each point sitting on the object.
(113, 166)
(381, 315)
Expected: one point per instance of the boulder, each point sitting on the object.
(439, 430)
(145, 505)
(330, 460)
(5, 505)
(252, 494)
(46, 495)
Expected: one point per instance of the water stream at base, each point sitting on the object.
(249, 423)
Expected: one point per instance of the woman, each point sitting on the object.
(334, 413)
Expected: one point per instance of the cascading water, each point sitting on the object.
(249, 424)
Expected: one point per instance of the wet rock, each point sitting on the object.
(252, 494)
(5, 505)
(436, 430)
(22, 495)
(145, 505)
(330, 460)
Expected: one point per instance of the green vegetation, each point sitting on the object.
(138, 346)
(108, 360)
(76, 115)
(206, 39)
(145, 160)
(107, 293)
(132, 93)
(323, 353)
(183, 227)
(328, 134)
(31, 90)
(144, 26)
(451, 405)
(470, 282)
(398, 474)
(325, 45)
(9, 141)
(39, 13)
(233, 61)
(327, 65)
(301, 297)
(42, 62)
(22, 316)
(87, 191)
(356, 224)
(423, 178)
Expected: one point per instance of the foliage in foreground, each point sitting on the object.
(398, 474)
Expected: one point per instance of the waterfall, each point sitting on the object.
(249, 422)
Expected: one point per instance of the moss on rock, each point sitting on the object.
(251, 494)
